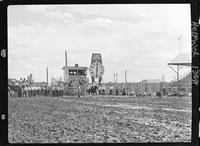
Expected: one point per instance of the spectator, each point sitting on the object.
(117, 92)
(110, 93)
(103, 92)
(123, 92)
(79, 91)
(159, 94)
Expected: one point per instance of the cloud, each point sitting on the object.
(68, 15)
(50, 11)
(40, 8)
(126, 13)
(102, 21)
(96, 25)
(127, 37)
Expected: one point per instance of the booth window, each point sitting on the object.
(72, 72)
(81, 72)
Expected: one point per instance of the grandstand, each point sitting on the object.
(182, 82)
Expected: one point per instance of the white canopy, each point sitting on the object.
(183, 59)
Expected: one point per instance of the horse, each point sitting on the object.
(92, 90)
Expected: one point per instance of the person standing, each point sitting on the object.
(79, 91)
(117, 92)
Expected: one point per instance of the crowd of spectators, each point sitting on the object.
(21, 88)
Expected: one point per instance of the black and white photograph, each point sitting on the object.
(99, 73)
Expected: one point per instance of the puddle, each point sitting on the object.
(179, 110)
(128, 106)
(144, 107)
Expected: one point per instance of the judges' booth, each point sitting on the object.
(75, 76)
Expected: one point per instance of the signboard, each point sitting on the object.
(96, 68)
(96, 57)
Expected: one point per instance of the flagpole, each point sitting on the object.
(181, 45)
(180, 39)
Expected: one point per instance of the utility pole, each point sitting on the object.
(66, 58)
(126, 82)
(163, 77)
(47, 76)
(125, 76)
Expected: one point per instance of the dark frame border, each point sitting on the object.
(195, 58)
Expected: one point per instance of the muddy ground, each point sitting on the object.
(99, 119)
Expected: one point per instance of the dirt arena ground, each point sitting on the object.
(99, 119)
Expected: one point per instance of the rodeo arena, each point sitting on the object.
(76, 110)
(76, 82)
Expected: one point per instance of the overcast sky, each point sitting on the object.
(139, 38)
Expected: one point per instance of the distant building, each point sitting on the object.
(155, 85)
(148, 86)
